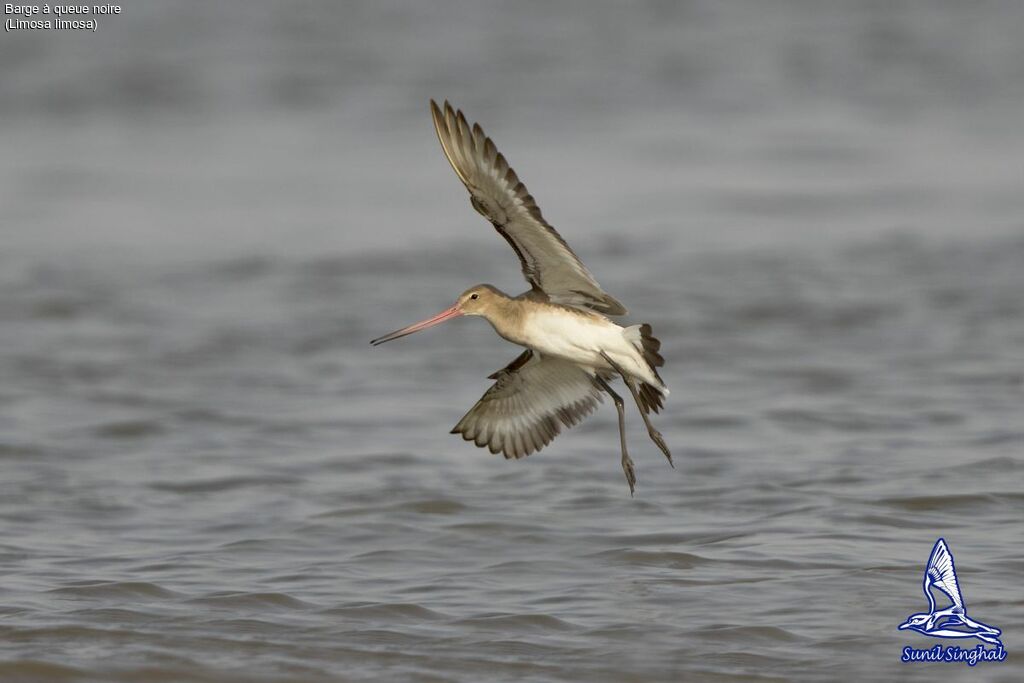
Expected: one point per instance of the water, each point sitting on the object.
(209, 475)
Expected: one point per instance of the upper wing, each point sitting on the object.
(521, 412)
(942, 574)
(549, 265)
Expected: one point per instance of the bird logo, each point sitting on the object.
(951, 621)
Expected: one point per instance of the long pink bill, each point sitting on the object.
(452, 312)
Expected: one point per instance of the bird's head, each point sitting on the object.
(478, 300)
(916, 621)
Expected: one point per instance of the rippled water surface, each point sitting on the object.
(207, 474)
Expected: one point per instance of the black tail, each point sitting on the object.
(650, 397)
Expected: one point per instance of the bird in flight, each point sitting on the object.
(573, 349)
(952, 621)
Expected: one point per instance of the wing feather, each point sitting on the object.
(526, 407)
(942, 572)
(496, 192)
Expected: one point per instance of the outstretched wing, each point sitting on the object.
(528, 404)
(549, 265)
(941, 573)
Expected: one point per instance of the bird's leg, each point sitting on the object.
(655, 435)
(627, 462)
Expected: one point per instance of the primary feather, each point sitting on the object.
(548, 263)
(530, 401)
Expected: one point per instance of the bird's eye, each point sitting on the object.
(474, 296)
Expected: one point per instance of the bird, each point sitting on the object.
(952, 621)
(572, 347)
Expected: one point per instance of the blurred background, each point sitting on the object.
(206, 474)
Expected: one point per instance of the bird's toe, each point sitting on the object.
(659, 441)
(630, 471)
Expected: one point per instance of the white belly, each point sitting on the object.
(581, 339)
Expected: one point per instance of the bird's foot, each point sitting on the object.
(659, 441)
(627, 467)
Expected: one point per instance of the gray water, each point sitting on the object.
(207, 474)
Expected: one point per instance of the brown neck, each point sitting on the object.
(506, 317)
